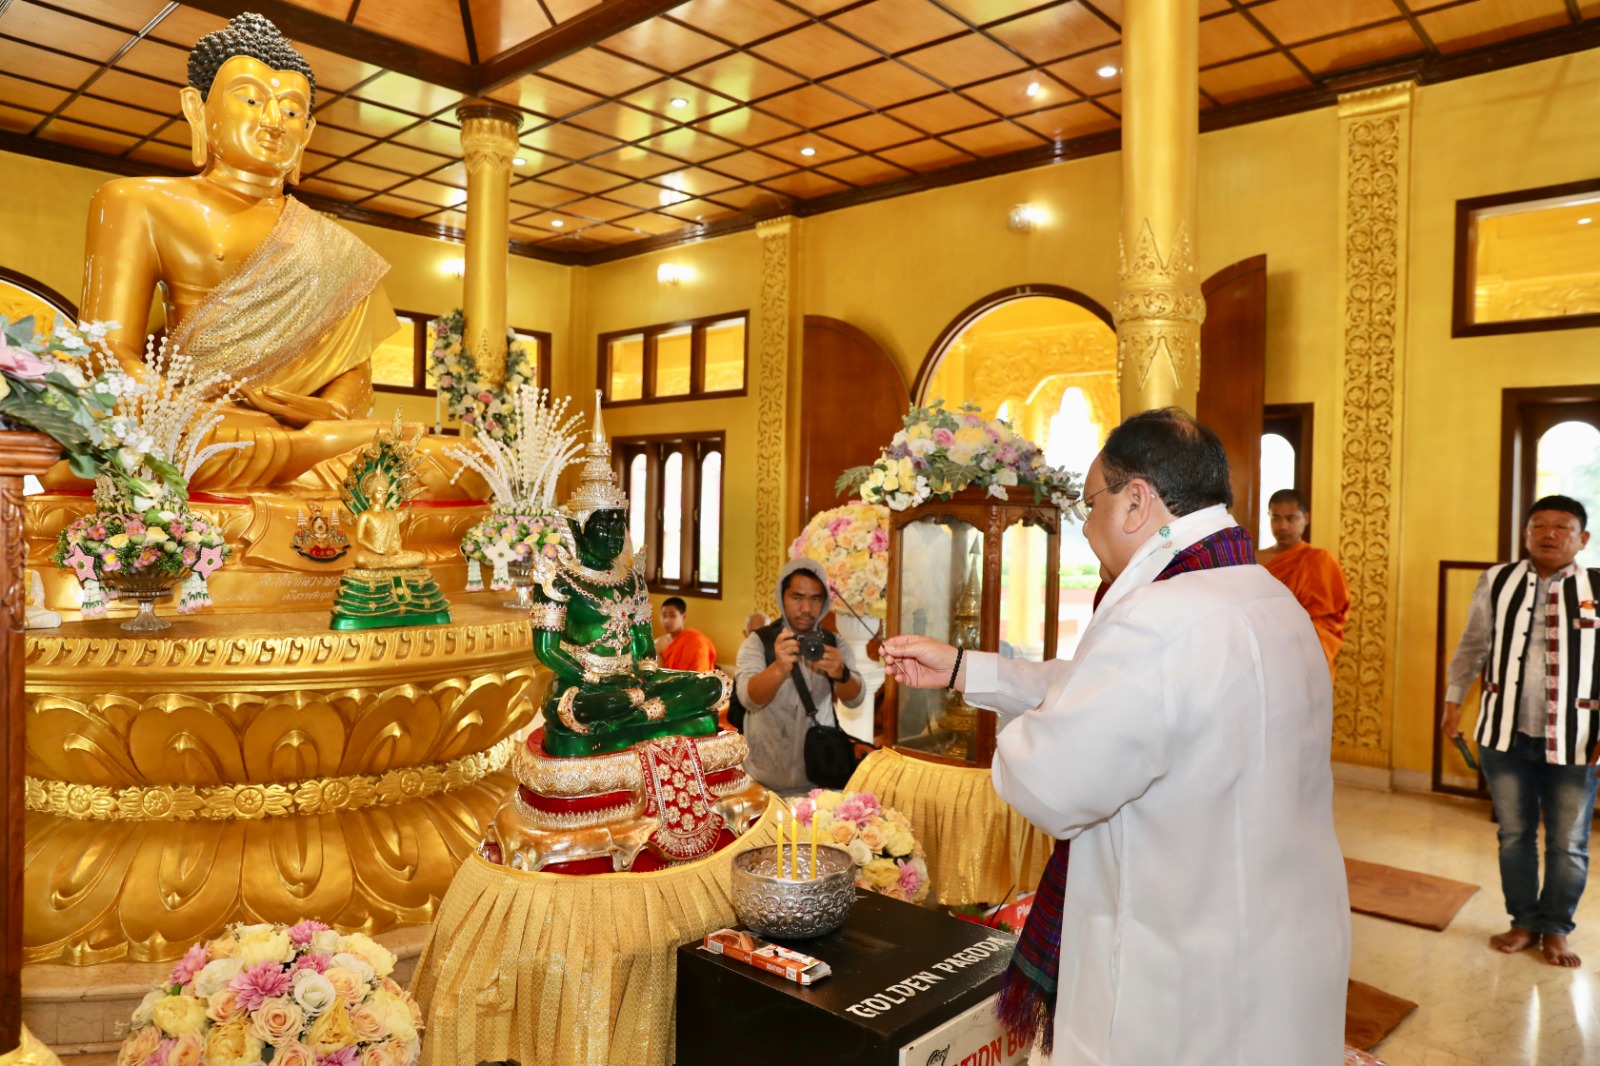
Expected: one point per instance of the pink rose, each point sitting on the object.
(943, 437)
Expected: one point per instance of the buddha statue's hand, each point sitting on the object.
(293, 409)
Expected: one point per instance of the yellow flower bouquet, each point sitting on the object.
(887, 856)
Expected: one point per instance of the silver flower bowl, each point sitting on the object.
(790, 909)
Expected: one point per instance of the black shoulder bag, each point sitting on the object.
(830, 751)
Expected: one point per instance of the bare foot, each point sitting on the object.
(1515, 940)
(1556, 952)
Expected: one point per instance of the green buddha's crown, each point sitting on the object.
(597, 482)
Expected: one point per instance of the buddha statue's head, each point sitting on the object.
(602, 537)
(248, 103)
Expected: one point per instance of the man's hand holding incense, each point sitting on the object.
(922, 662)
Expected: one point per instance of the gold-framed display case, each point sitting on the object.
(979, 573)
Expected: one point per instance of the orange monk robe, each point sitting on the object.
(690, 650)
(1313, 575)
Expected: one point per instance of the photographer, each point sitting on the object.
(775, 661)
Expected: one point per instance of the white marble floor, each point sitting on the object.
(1476, 1007)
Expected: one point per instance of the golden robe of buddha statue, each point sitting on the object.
(253, 283)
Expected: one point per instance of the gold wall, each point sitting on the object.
(901, 269)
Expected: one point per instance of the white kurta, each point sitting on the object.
(1185, 752)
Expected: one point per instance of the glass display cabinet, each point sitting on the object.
(979, 573)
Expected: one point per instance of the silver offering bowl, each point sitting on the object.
(790, 909)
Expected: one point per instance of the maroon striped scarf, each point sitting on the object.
(1027, 1003)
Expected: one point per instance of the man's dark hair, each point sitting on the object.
(1561, 503)
(1288, 496)
(783, 586)
(1181, 459)
(675, 601)
(250, 35)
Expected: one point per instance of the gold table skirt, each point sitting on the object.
(979, 849)
(569, 970)
(259, 768)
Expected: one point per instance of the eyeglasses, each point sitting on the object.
(1080, 508)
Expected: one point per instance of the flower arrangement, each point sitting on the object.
(470, 398)
(940, 453)
(522, 468)
(47, 384)
(852, 544)
(293, 995)
(142, 453)
(888, 858)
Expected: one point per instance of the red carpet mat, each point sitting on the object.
(1370, 1014)
(1405, 895)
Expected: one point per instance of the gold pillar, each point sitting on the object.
(775, 339)
(1159, 307)
(488, 144)
(1374, 179)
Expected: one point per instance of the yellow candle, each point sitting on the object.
(813, 845)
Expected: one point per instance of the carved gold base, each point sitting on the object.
(266, 570)
(259, 768)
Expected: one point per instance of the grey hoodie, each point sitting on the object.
(776, 731)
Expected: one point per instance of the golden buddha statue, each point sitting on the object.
(253, 283)
(378, 530)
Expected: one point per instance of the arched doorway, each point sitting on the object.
(1044, 359)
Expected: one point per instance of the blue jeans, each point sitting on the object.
(1522, 784)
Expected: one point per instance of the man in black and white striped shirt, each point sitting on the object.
(1533, 635)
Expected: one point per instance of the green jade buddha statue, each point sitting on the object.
(591, 620)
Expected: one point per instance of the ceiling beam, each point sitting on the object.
(353, 42)
(606, 19)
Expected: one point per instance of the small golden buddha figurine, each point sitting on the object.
(253, 283)
(385, 584)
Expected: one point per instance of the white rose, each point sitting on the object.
(214, 977)
(356, 965)
(860, 854)
(326, 942)
(313, 992)
(141, 1015)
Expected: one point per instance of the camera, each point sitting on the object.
(812, 645)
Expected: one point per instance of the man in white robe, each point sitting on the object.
(1184, 752)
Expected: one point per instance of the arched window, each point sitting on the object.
(1277, 472)
(710, 548)
(1567, 463)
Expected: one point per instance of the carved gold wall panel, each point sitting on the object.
(259, 768)
(1375, 144)
(777, 283)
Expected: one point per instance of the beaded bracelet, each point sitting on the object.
(956, 670)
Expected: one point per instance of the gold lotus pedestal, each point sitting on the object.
(259, 768)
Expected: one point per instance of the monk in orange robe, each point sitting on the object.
(683, 648)
(1312, 574)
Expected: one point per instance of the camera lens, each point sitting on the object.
(811, 645)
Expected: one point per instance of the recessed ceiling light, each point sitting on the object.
(678, 101)
(1584, 221)
(1034, 88)
(557, 223)
(1107, 71)
(808, 151)
(519, 161)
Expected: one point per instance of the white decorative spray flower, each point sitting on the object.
(523, 469)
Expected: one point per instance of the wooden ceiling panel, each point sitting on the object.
(611, 234)
(815, 51)
(18, 120)
(563, 10)
(1065, 123)
(1484, 22)
(1063, 30)
(642, 196)
(653, 223)
(811, 106)
(40, 65)
(941, 113)
(430, 194)
(408, 94)
(737, 21)
(128, 14)
(333, 190)
(95, 112)
(1251, 78)
(600, 73)
(162, 155)
(598, 209)
(1083, 72)
(310, 162)
(689, 144)
(665, 45)
(536, 194)
(335, 9)
(433, 137)
(398, 157)
(699, 210)
(547, 97)
(997, 138)
(696, 181)
(456, 220)
(633, 161)
(451, 174)
(741, 76)
(621, 121)
(135, 91)
(335, 73)
(583, 179)
(755, 198)
(397, 205)
(333, 141)
(883, 84)
(370, 119)
(665, 97)
(1016, 94)
(88, 137)
(983, 12)
(823, 150)
(567, 141)
(926, 156)
(1294, 21)
(433, 27)
(30, 94)
(1227, 37)
(751, 166)
(52, 29)
(965, 60)
(897, 25)
(184, 26)
(500, 25)
(871, 132)
(806, 184)
(747, 127)
(1356, 49)
(864, 170)
(362, 177)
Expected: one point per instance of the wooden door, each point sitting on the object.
(853, 398)
(1233, 366)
